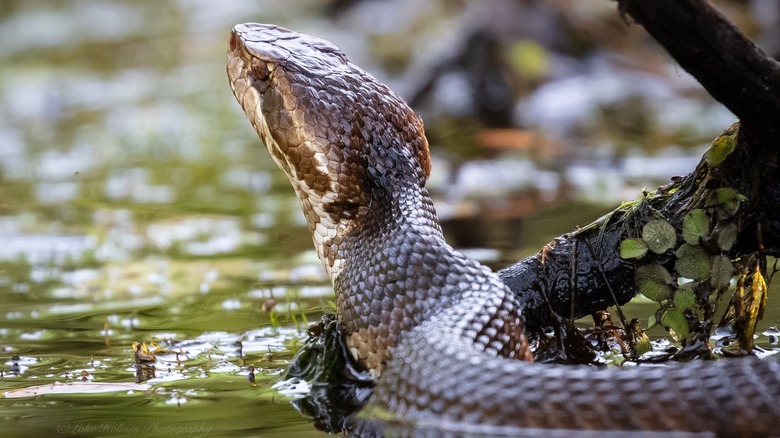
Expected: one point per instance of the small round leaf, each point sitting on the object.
(633, 249)
(692, 262)
(726, 200)
(653, 282)
(674, 321)
(727, 236)
(696, 224)
(659, 235)
(722, 271)
(651, 321)
(684, 297)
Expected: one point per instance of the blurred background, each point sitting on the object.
(137, 203)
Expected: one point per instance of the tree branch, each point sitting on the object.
(581, 272)
(730, 66)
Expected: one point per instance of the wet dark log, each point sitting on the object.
(582, 272)
(736, 187)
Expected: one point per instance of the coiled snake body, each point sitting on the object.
(442, 335)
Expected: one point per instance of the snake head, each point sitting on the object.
(346, 142)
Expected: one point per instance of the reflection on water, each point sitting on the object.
(136, 205)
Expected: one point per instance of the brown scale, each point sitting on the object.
(442, 334)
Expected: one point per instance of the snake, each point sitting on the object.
(442, 336)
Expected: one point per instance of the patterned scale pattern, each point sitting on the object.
(442, 334)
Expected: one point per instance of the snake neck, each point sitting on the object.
(397, 272)
(357, 157)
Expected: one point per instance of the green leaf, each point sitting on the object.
(643, 344)
(722, 271)
(653, 282)
(659, 236)
(720, 149)
(724, 195)
(726, 200)
(696, 225)
(692, 262)
(684, 297)
(674, 321)
(727, 236)
(633, 249)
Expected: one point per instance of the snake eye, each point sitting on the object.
(260, 70)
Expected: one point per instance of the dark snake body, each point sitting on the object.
(442, 334)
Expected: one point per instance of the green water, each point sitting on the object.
(137, 205)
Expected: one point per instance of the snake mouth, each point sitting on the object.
(241, 82)
(251, 75)
(269, 89)
(318, 116)
(266, 94)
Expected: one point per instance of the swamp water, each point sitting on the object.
(137, 206)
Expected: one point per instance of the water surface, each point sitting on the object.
(137, 205)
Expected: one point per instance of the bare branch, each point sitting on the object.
(730, 66)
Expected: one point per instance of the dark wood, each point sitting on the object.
(706, 44)
(581, 272)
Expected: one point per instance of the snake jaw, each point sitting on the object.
(265, 93)
(299, 94)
